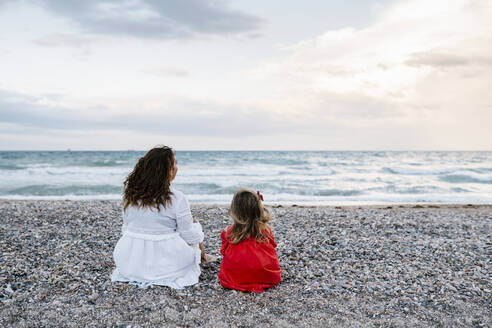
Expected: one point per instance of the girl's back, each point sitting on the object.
(249, 265)
(250, 262)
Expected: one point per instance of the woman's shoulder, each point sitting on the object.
(176, 193)
(178, 199)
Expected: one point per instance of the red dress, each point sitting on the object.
(249, 266)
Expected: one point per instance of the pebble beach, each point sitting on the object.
(342, 266)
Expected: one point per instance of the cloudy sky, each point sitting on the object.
(246, 74)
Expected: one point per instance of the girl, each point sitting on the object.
(160, 242)
(250, 262)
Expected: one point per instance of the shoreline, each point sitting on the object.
(370, 265)
(284, 204)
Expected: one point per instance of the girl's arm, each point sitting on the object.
(271, 238)
(225, 242)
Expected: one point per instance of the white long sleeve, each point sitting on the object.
(190, 231)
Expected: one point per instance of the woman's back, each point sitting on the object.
(175, 217)
(159, 247)
(159, 244)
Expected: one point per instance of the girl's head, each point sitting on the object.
(249, 215)
(149, 182)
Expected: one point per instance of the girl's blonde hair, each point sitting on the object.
(250, 217)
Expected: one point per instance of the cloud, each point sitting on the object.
(167, 72)
(420, 62)
(436, 60)
(443, 59)
(181, 117)
(418, 76)
(152, 19)
(65, 39)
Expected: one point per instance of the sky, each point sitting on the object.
(246, 75)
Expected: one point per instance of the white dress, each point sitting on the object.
(159, 247)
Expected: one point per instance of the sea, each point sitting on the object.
(283, 177)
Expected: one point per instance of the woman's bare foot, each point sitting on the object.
(207, 258)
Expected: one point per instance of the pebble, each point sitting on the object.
(341, 266)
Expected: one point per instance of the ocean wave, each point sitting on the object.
(63, 197)
(52, 190)
(197, 188)
(306, 172)
(466, 178)
(415, 171)
(270, 188)
(280, 176)
(337, 192)
(364, 199)
(286, 162)
(288, 199)
(459, 190)
(104, 163)
(420, 190)
(11, 167)
(93, 163)
(481, 170)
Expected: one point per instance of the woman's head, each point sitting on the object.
(149, 182)
(249, 215)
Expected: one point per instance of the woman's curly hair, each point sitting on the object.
(149, 182)
(250, 217)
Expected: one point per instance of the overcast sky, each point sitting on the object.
(246, 74)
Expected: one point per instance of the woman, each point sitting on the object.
(161, 244)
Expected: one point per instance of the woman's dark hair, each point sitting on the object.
(149, 182)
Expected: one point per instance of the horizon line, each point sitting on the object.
(247, 150)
